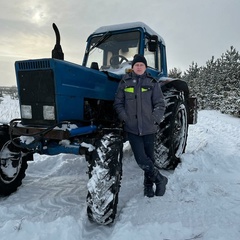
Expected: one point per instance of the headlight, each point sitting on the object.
(48, 113)
(26, 111)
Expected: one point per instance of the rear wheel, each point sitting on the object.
(13, 164)
(105, 172)
(171, 138)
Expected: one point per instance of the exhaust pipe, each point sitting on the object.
(57, 52)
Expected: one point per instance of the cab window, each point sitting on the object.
(114, 51)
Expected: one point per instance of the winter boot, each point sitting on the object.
(160, 182)
(148, 187)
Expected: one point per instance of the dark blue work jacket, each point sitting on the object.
(139, 103)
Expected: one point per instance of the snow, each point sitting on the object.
(202, 200)
(119, 27)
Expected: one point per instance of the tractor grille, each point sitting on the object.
(36, 90)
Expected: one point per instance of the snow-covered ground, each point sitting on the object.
(202, 200)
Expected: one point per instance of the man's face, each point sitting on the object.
(139, 68)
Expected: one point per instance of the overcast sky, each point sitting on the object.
(194, 30)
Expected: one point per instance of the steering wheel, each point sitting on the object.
(116, 60)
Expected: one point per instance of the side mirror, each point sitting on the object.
(153, 43)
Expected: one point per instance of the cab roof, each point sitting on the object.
(125, 26)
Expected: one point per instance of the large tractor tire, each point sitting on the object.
(105, 173)
(13, 164)
(171, 138)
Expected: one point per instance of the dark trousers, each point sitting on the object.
(143, 150)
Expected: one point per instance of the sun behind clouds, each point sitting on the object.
(38, 17)
(37, 14)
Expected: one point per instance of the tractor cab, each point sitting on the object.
(112, 48)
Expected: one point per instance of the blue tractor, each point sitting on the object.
(68, 108)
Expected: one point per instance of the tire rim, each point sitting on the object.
(180, 130)
(9, 169)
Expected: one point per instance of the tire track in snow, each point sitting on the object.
(49, 197)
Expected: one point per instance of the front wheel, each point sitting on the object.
(13, 164)
(171, 138)
(105, 172)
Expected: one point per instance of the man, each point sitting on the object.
(139, 103)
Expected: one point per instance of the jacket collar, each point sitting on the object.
(133, 75)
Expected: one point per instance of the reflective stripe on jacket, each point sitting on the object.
(139, 102)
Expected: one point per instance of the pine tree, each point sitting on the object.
(217, 85)
(175, 73)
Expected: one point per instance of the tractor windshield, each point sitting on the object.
(113, 52)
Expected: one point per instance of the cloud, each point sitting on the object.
(193, 30)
